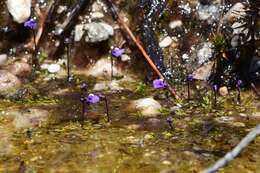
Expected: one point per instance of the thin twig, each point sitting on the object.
(255, 89)
(140, 47)
(232, 154)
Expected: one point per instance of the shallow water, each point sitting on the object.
(129, 143)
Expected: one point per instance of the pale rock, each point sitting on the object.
(102, 69)
(148, 107)
(61, 9)
(225, 119)
(79, 32)
(203, 72)
(205, 52)
(3, 59)
(255, 115)
(239, 124)
(185, 56)
(210, 13)
(125, 58)
(237, 11)
(54, 68)
(166, 162)
(97, 15)
(8, 83)
(19, 9)
(175, 24)
(20, 69)
(98, 31)
(114, 85)
(45, 66)
(29, 117)
(102, 86)
(223, 91)
(167, 41)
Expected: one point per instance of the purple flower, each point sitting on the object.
(189, 77)
(83, 86)
(91, 98)
(239, 83)
(215, 87)
(31, 24)
(117, 52)
(159, 84)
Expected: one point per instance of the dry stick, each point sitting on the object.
(140, 47)
(232, 154)
(255, 89)
(107, 111)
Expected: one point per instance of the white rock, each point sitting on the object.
(97, 15)
(208, 12)
(45, 66)
(175, 24)
(29, 118)
(203, 72)
(148, 107)
(167, 41)
(185, 56)
(3, 59)
(8, 83)
(100, 86)
(205, 52)
(102, 69)
(98, 31)
(19, 9)
(125, 58)
(79, 31)
(223, 91)
(54, 68)
(61, 9)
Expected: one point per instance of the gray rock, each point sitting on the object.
(8, 83)
(19, 9)
(3, 59)
(98, 31)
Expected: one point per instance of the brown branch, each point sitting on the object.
(140, 47)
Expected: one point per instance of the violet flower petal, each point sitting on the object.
(91, 98)
(159, 84)
(117, 52)
(31, 24)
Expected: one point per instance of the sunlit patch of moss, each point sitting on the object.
(165, 111)
(37, 99)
